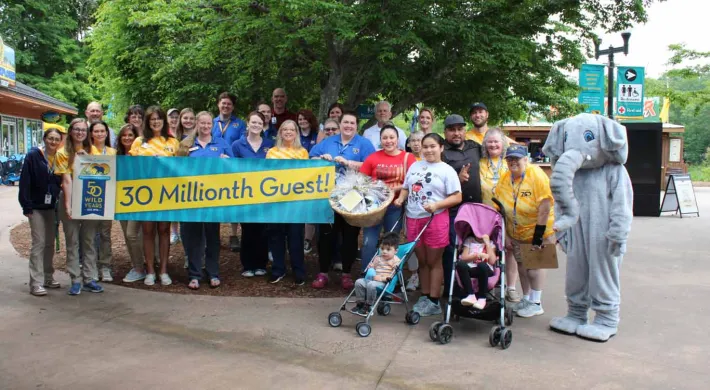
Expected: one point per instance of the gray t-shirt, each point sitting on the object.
(429, 182)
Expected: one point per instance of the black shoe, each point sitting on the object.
(273, 279)
(300, 282)
(234, 244)
(358, 308)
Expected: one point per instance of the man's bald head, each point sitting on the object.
(279, 99)
(94, 112)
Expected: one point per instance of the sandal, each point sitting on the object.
(214, 283)
(194, 284)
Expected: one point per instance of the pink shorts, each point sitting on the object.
(436, 234)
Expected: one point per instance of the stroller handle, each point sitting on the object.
(501, 209)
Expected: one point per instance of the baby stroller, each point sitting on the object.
(12, 168)
(386, 295)
(479, 219)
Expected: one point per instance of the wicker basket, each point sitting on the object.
(371, 218)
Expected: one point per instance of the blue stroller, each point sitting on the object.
(386, 295)
(11, 169)
(479, 219)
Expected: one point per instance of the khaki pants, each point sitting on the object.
(133, 235)
(104, 260)
(42, 230)
(74, 231)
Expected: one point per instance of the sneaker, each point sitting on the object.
(364, 310)
(521, 305)
(307, 248)
(271, 257)
(299, 282)
(75, 289)
(346, 281)
(480, 304)
(469, 300)
(275, 279)
(149, 279)
(420, 302)
(413, 282)
(248, 274)
(260, 272)
(234, 244)
(165, 280)
(38, 291)
(51, 283)
(430, 309)
(513, 295)
(174, 238)
(337, 266)
(106, 275)
(133, 276)
(357, 308)
(93, 287)
(532, 309)
(321, 281)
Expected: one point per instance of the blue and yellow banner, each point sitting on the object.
(184, 189)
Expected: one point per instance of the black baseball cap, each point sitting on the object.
(453, 120)
(478, 105)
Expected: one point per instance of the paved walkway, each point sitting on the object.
(126, 338)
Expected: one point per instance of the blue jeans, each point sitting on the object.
(200, 239)
(280, 236)
(448, 257)
(371, 235)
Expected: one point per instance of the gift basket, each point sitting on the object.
(360, 200)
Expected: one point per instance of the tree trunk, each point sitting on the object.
(331, 90)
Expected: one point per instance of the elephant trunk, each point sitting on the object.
(561, 184)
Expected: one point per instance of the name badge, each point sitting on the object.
(192, 149)
(48, 199)
(145, 146)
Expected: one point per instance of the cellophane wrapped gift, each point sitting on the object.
(373, 192)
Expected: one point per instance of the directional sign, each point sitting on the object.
(629, 93)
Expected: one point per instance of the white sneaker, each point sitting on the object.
(469, 300)
(165, 280)
(248, 274)
(413, 282)
(271, 257)
(174, 238)
(149, 279)
(260, 272)
(532, 309)
(106, 275)
(520, 305)
(337, 266)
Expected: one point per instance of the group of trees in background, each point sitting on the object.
(514, 54)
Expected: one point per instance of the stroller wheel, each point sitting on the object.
(363, 329)
(509, 315)
(446, 333)
(412, 317)
(335, 319)
(384, 309)
(494, 336)
(434, 331)
(506, 338)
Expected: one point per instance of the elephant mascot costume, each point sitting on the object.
(593, 210)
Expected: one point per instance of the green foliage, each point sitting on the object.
(48, 52)
(444, 54)
(700, 172)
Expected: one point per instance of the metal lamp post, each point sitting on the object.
(610, 77)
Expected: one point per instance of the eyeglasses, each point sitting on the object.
(156, 120)
(77, 130)
(54, 140)
(331, 129)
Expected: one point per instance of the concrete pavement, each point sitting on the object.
(126, 338)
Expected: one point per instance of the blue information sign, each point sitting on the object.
(629, 93)
(591, 80)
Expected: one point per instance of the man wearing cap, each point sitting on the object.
(463, 155)
(383, 114)
(479, 118)
(95, 113)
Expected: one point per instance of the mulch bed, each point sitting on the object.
(233, 284)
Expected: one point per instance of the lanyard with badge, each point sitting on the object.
(50, 172)
(496, 170)
(224, 128)
(515, 198)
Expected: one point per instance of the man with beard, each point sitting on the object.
(479, 118)
(462, 155)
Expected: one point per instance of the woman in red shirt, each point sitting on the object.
(389, 165)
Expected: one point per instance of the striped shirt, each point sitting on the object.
(384, 268)
(287, 153)
(157, 146)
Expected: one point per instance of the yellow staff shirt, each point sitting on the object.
(61, 161)
(107, 151)
(473, 135)
(157, 146)
(287, 153)
(487, 169)
(531, 190)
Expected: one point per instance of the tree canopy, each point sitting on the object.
(512, 54)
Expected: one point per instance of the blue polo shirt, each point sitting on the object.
(242, 149)
(215, 148)
(356, 150)
(231, 130)
(309, 141)
(271, 132)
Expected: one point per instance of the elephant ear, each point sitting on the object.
(555, 143)
(613, 140)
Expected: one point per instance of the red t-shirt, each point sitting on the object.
(390, 169)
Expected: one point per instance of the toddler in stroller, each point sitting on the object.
(478, 260)
(377, 272)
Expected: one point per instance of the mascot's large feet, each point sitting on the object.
(596, 332)
(567, 325)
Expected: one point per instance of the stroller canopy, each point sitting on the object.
(480, 219)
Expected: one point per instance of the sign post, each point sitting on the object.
(591, 80)
(680, 196)
(629, 93)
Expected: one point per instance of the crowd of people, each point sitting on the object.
(430, 175)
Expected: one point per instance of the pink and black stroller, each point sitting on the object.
(478, 219)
